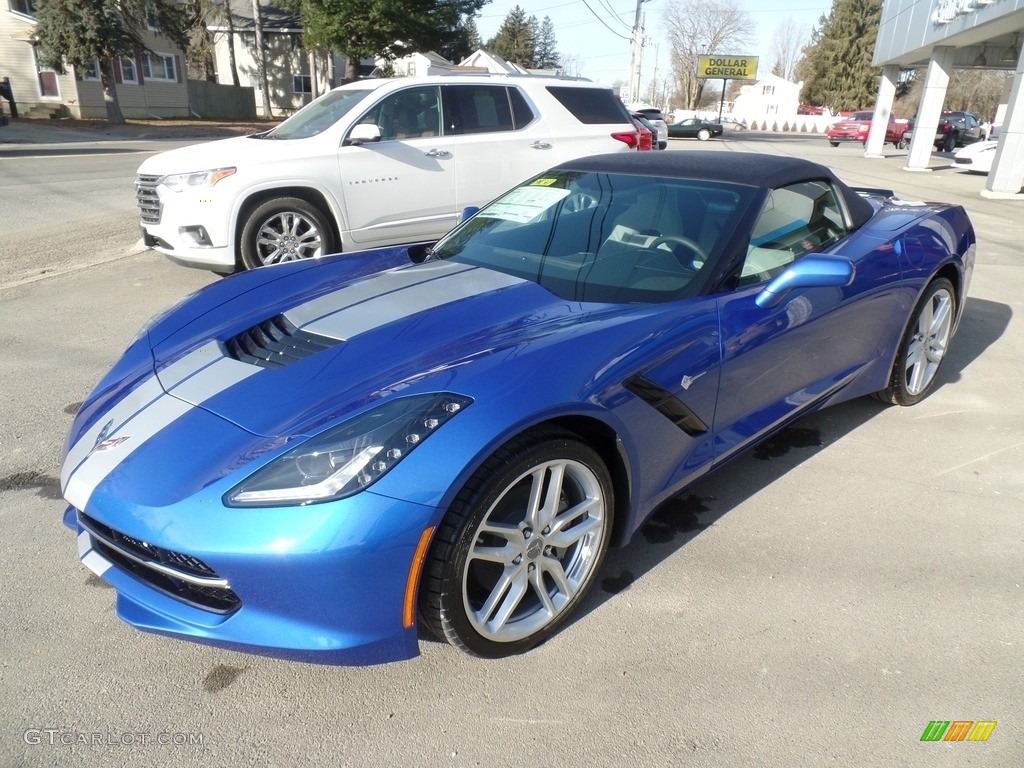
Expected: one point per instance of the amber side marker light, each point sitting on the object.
(412, 582)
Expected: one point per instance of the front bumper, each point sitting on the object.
(324, 583)
(191, 227)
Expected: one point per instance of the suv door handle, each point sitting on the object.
(540, 145)
(438, 153)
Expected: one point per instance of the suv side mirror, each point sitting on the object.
(364, 133)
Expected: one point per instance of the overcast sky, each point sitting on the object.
(602, 40)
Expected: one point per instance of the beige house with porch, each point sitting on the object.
(149, 85)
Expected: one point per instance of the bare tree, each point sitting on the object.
(261, 57)
(787, 48)
(973, 90)
(695, 28)
(572, 65)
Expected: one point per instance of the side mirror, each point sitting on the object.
(364, 133)
(419, 252)
(468, 212)
(812, 271)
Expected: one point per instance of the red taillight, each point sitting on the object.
(629, 138)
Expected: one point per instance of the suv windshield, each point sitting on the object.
(604, 237)
(318, 115)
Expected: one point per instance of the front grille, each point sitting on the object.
(275, 343)
(177, 575)
(147, 198)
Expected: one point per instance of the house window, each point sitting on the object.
(152, 18)
(768, 90)
(159, 66)
(412, 69)
(302, 84)
(128, 74)
(254, 81)
(92, 72)
(25, 7)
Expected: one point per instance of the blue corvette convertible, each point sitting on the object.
(315, 459)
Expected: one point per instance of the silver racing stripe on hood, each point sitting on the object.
(393, 296)
(154, 405)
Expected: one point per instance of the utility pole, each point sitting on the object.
(636, 54)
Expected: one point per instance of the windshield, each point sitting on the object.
(862, 116)
(319, 115)
(604, 237)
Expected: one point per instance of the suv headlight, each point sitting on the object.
(349, 457)
(176, 182)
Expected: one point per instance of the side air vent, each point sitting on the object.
(667, 404)
(275, 343)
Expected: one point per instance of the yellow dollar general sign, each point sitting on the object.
(958, 730)
(728, 67)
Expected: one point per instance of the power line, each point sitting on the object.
(617, 34)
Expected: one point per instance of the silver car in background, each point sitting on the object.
(655, 118)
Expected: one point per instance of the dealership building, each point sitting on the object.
(941, 36)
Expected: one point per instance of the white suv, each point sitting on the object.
(372, 163)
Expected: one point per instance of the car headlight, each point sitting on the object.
(349, 457)
(176, 182)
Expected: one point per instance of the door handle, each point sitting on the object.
(438, 153)
(540, 145)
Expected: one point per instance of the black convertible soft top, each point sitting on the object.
(750, 168)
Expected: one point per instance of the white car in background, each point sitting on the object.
(371, 163)
(978, 157)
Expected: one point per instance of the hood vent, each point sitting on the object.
(275, 343)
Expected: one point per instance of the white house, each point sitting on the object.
(417, 65)
(295, 75)
(772, 99)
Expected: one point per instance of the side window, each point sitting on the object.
(794, 220)
(407, 114)
(522, 112)
(479, 108)
(592, 106)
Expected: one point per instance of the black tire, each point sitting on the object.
(923, 347)
(285, 229)
(703, 134)
(469, 582)
(834, 143)
(949, 143)
(902, 143)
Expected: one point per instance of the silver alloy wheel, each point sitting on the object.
(929, 342)
(534, 549)
(287, 236)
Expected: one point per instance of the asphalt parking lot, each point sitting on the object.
(818, 602)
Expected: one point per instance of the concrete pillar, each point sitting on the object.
(883, 108)
(1007, 175)
(936, 80)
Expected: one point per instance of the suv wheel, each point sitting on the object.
(949, 143)
(285, 229)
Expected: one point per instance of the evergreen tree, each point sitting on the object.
(515, 40)
(465, 40)
(365, 29)
(546, 48)
(79, 32)
(838, 71)
(473, 35)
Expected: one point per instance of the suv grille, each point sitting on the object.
(146, 197)
(177, 575)
(275, 343)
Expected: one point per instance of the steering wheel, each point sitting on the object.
(692, 245)
(578, 201)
